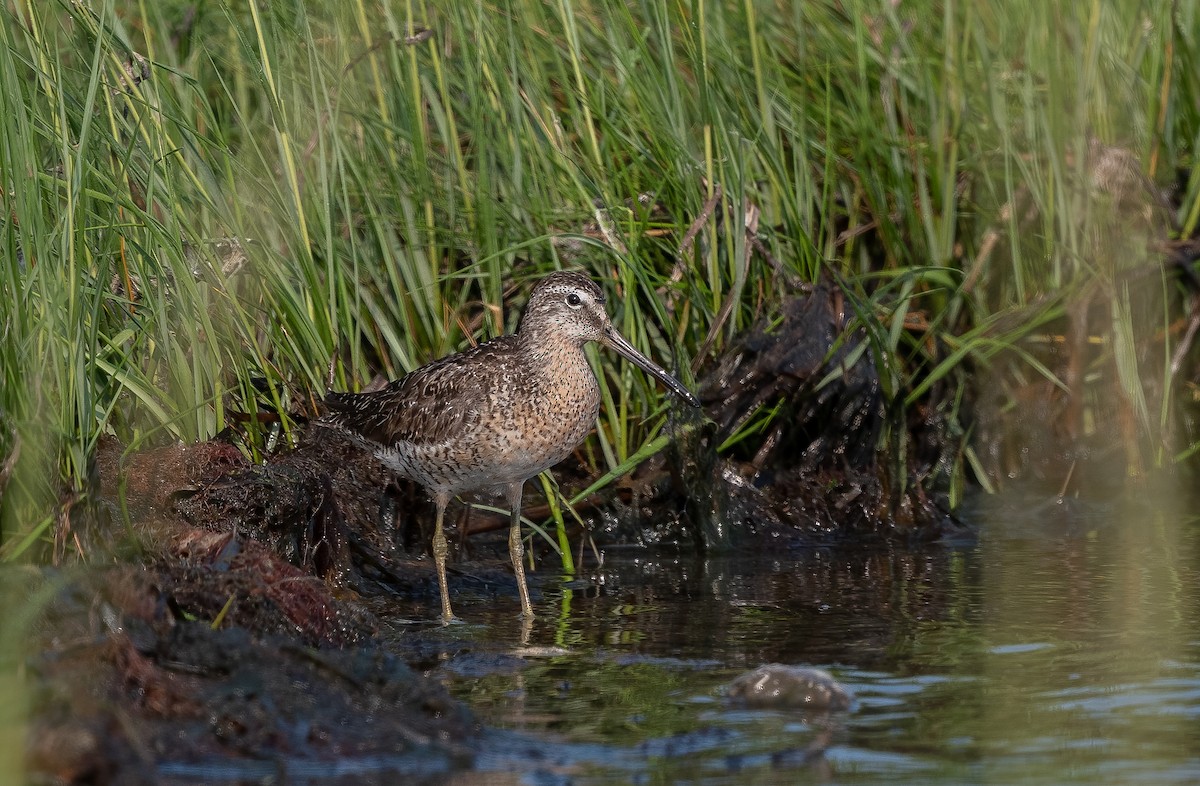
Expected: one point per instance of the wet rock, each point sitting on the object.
(776, 686)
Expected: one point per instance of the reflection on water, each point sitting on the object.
(1021, 658)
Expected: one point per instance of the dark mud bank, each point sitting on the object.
(130, 693)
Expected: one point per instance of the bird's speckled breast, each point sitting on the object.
(532, 417)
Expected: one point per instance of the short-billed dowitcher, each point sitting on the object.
(499, 413)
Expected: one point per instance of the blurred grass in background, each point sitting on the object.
(219, 208)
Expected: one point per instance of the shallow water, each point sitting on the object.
(1031, 658)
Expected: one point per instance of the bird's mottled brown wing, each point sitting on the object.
(430, 405)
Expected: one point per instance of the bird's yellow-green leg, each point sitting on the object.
(516, 548)
(440, 550)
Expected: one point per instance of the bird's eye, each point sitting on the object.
(574, 300)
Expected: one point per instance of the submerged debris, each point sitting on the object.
(809, 362)
(810, 383)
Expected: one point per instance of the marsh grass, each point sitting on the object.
(213, 209)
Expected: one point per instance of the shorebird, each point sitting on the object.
(499, 413)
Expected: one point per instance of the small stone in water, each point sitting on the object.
(776, 686)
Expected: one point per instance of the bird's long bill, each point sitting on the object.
(626, 350)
